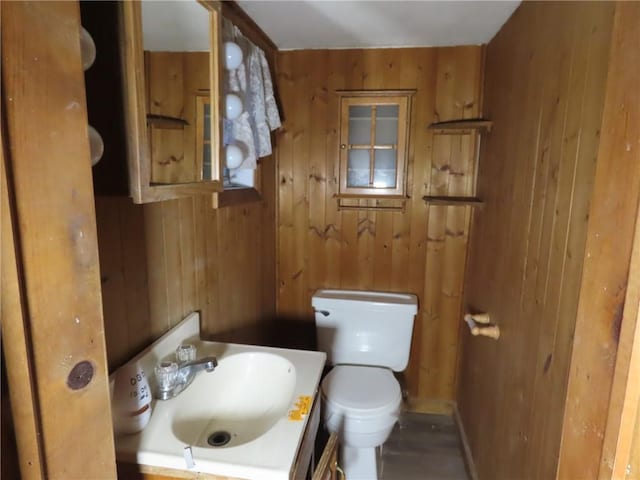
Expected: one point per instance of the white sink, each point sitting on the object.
(243, 398)
(233, 421)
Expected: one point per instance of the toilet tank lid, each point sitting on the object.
(329, 298)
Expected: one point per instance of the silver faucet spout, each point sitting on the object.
(207, 364)
(185, 374)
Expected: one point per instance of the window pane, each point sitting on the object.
(206, 161)
(387, 124)
(358, 168)
(207, 121)
(384, 172)
(359, 125)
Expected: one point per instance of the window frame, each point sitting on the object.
(375, 98)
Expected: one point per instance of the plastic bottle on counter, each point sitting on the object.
(131, 402)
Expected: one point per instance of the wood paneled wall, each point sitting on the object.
(605, 360)
(162, 260)
(175, 79)
(421, 250)
(544, 90)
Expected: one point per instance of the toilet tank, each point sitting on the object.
(365, 328)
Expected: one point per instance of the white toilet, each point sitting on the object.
(366, 335)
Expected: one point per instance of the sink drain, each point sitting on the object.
(219, 438)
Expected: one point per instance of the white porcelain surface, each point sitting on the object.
(250, 394)
(362, 391)
(365, 328)
(246, 395)
(359, 463)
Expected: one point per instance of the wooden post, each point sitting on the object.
(52, 314)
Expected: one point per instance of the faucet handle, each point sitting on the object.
(186, 353)
(166, 376)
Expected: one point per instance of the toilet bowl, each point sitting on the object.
(362, 403)
(367, 336)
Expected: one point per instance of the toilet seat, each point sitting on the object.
(362, 392)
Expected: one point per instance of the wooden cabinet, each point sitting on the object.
(143, 98)
(162, 85)
(374, 137)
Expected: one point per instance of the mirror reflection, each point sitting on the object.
(177, 43)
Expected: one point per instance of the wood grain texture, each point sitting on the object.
(166, 259)
(633, 470)
(20, 417)
(608, 307)
(143, 472)
(166, 147)
(163, 260)
(321, 246)
(326, 469)
(544, 93)
(175, 81)
(56, 254)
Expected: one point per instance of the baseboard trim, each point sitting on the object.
(468, 458)
(424, 405)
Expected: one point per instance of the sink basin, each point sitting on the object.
(241, 400)
(233, 422)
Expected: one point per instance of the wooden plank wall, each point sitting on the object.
(605, 361)
(421, 251)
(544, 90)
(162, 260)
(175, 79)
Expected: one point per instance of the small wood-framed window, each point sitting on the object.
(374, 131)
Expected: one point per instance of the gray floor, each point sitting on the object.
(423, 447)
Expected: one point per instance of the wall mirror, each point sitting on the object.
(171, 61)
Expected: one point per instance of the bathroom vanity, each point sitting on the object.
(254, 417)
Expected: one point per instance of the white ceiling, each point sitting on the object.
(303, 24)
(175, 26)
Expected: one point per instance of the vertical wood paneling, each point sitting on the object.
(182, 256)
(162, 260)
(322, 247)
(607, 309)
(544, 93)
(123, 272)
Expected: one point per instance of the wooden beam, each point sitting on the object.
(15, 335)
(234, 12)
(56, 246)
(609, 293)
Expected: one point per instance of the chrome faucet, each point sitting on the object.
(174, 378)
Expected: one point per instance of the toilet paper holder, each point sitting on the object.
(480, 324)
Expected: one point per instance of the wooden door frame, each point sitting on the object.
(52, 326)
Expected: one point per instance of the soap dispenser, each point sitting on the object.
(131, 399)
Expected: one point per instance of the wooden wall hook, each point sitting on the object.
(479, 324)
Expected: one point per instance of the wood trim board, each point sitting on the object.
(56, 245)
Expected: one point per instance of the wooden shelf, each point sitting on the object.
(452, 201)
(371, 196)
(455, 126)
(163, 121)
